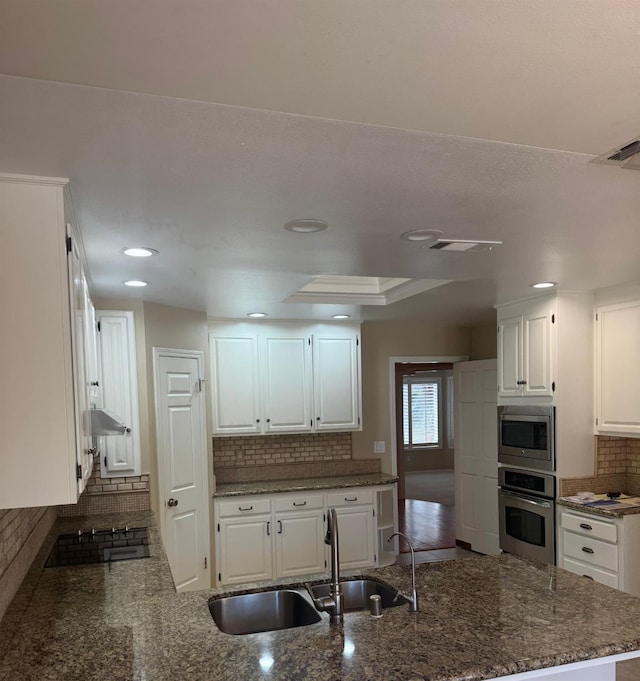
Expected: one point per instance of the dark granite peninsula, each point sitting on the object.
(481, 618)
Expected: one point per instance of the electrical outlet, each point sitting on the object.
(379, 447)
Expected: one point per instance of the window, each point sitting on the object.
(421, 411)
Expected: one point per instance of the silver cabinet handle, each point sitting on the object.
(586, 549)
(268, 529)
(586, 526)
(351, 499)
(279, 526)
(246, 508)
(303, 503)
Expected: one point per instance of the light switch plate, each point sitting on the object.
(379, 447)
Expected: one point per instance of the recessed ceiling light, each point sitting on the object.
(306, 226)
(136, 283)
(139, 252)
(340, 316)
(421, 235)
(256, 315)
(544, 284)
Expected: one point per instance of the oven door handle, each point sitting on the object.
(540, 503)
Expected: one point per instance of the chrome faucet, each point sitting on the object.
(413, 601)
(332, 603)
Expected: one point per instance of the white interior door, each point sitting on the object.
(182, 465)
(476, 455)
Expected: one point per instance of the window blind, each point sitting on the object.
(420, 411)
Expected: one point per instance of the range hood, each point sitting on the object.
(105, 422)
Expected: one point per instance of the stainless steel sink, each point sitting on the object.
(356, 592)
(263, 611)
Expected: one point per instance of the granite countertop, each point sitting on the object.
(481, 617)
(619, 509)
(303, 484)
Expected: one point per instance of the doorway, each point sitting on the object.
(423, 450)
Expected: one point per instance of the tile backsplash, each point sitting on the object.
(22, 531)
(617, 468)
(110, 495)
(280, 449)
(282, 457)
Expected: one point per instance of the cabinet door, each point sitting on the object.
(120, 454)
(286, 364)
(618, 369)
(510, 357)
(336, 381)
(355, 533)
(235, 383)
(244, 550)
(300, 547)
(92, 351)
(536, 356)
(79, 294)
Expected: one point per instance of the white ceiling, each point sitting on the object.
(200, 127)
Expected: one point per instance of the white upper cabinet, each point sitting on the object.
(235, 386)
(284, 378)
(118, 392)
(617, 374)
(286, 363)
(524, 350)
(44, 416)
(80, 305)
(336, 379)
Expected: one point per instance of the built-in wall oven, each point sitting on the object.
(526, 437)
(526, 502)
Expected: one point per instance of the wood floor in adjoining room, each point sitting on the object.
(628, 671)
(428, 525)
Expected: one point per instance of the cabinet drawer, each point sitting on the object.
(298, 502)
(592, 551)
(590, 527)
(597, 574)
(349, 497)
(243, 506)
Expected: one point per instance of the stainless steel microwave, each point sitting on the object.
(526, 437)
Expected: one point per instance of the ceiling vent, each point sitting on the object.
(462, 245)
(626, 157)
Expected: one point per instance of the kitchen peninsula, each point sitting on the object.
(481, 618)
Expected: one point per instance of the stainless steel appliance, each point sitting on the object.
(526, 437)
(526, 503)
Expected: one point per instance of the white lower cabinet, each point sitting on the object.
(354, 508)
(300, 543)
(244, 540)
(264, 537)
(600, 548)
(299, 534)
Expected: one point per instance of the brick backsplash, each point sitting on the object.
(234, 452)
(110, 495)
(22, 531)
(617, 468)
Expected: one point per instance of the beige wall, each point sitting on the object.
(484, 342)
(172, 327)
(380, 341)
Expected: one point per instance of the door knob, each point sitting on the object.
(172, 502)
